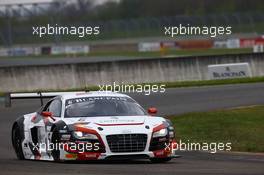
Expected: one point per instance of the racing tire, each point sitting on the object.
(160, 160)
(55, 139)
(17, 142)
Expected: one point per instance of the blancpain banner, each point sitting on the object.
(228, 71)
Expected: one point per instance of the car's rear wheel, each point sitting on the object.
(55, 139)
(160, 160)
(17, 142)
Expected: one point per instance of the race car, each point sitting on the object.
(91, 126)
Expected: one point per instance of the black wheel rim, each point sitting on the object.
(55, 139)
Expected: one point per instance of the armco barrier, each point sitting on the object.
(129, 71)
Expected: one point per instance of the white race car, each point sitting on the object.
(91, 126)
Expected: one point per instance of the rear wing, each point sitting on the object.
(36, 95)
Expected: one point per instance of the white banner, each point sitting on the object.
(3, 52)
(228, 71)
(57, 50)
(77, 49)
(258, 48)
(31, 50)
(233, 43)
(220, 44)
(150, 46)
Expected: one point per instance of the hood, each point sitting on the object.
(127, 120)
(109, 121)
(118, 124)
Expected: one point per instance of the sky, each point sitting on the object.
(4, 2)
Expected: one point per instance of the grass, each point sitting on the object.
(181, 52)
(213, 82)
(169, 52)
(200, 83)
(243, 127)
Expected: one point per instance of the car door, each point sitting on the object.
(41, 132)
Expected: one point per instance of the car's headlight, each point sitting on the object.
(160, 133)
(171, 132)
(170, 129)
(83, 135)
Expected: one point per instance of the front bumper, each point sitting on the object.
(167, 152)
(123, 144)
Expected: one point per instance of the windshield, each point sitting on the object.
(102, 106)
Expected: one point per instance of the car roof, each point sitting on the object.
(92, 94)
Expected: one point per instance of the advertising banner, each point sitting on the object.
(229, 71)
(149, 46)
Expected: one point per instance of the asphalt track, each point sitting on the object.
(173, 101)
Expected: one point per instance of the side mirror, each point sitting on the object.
(46, 114)
(152, 111)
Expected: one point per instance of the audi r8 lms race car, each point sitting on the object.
(91, 126)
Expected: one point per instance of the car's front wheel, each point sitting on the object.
(55, 139)
(17, 142)
(160, 160)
